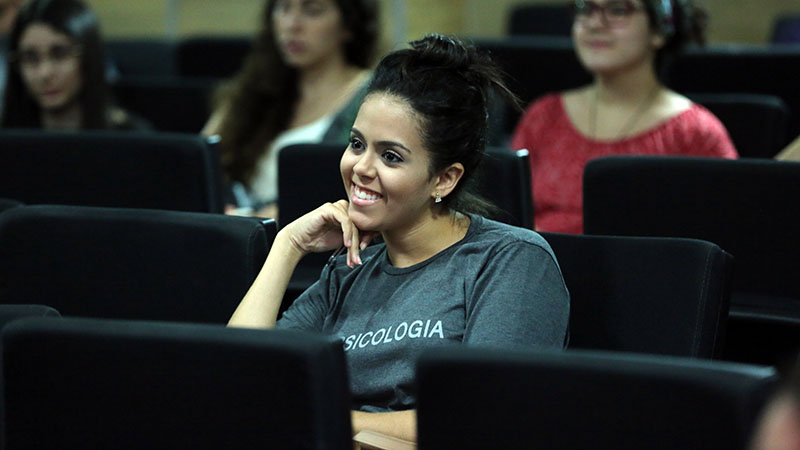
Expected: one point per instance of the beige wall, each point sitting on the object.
(732, 20)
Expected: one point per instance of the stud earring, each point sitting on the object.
(438, 198)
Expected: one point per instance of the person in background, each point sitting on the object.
(779, 425)
(8, 13)
(791, 152)
(444, 274)
(625, 111)
(301, 83)
(56, 71)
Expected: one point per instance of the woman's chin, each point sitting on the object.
(363, 222)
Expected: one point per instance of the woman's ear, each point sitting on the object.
(447, 180)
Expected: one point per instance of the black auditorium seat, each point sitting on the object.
(130, 263)
(482, 398)
(745, 206)
(549, 19)
(181, 105)
(115, 169)
(211, 56)
(663, 296)
(91, 383)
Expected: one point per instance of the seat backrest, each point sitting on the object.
(505, 179)
(142, 56)
(758, 124)
(744, 206)
(169, 103)
(740, 68)
(130, 264)
(89, 383)
(211, 56)
(664, 296)
(8, 203)
(470, 399)
(786, 29)
(545, 19)
(534, 66)
(115, 169)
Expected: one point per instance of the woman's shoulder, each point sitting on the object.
(498, 235)
(122, 120)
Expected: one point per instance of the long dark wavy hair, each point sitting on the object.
(76, 20)
(260, 100)
(681, 22)
(449, 84)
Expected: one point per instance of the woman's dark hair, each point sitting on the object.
(260, 100)
(681, 22)
(76, 20)
(449, 85)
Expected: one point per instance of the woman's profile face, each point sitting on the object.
(308, 32)
(385, 168)
(49, 63)
(611, 36)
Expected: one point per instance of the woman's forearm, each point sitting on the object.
(259, 307)
(791, 152)
(401, 424)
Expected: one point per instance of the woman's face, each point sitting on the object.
(614, 35)
(308, 32)
(385, 167)
(49, 63)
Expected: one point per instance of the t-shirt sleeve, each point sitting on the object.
(710, 138)
(519, 300)
(308, 311)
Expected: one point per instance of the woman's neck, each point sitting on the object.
(67, 118)
(425, 239)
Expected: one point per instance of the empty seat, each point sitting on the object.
(115, 169)
(88, 383)
(470, 398)
(130, 264)
(173, 104)
(786, 29)
(211, 56)
(143, 56)
(649, 295)
(541, 19)
(744, 206)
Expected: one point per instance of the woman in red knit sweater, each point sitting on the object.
(626, 110)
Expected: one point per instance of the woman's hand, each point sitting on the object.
(326, 228)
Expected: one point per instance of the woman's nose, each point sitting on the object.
(365, 167)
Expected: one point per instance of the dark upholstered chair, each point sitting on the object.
(128, 263)
(115, 169)
(211, 56)
(309, 176)
(142, 56)
(8, 203)
(478, 398)
(171, 104)
(647, 295)
(553, 19)
(8, 314)
(740, 68)
(786, 29)
(534, 66)
(758, 124)
(744, 206)
(89, 383)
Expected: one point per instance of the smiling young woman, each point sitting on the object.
(627, 110)
(444, 274)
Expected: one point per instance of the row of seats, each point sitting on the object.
(749, 88)
(90, 383)
(743, 206)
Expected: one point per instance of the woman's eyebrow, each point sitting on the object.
(384, 143)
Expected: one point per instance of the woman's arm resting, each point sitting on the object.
(401, 424)
(259, 307)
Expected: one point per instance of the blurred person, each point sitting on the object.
(56, 71)
(779, 427)
(301, 83)
(625, 111)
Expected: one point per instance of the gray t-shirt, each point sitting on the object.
(499, 286)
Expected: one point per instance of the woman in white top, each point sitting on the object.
(302, 82)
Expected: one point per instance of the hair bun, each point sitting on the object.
(439, 51)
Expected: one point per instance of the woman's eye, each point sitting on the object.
(356, 144)
(392, 157)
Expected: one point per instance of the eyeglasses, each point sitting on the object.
(57, 55)
(615, 13)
